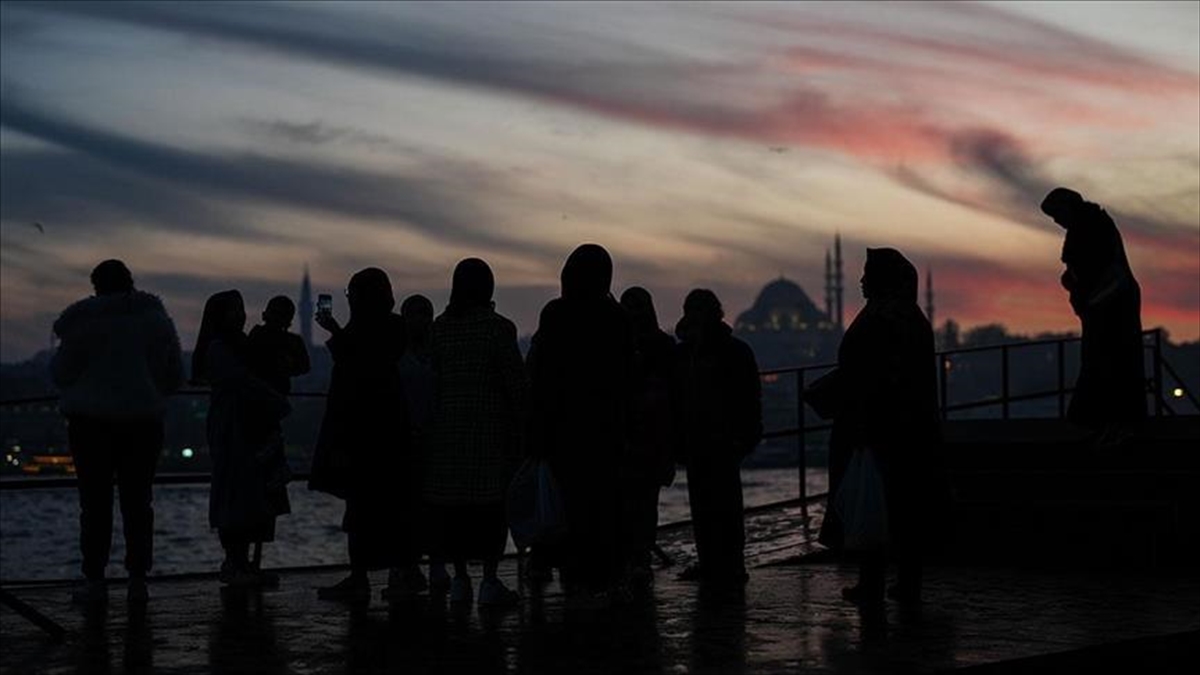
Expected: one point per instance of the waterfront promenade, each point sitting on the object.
(789, 619)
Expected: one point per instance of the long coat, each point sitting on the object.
(480, 406)
(889, 403)
(249, 470)
(1106, 296)
(581, 372)
(362, 449)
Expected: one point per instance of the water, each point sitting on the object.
(39, 529)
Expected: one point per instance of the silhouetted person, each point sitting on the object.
(581, 367)
(888, 405)
(417, 377)
(362, 452)
(651, 463)
(249, 471)
(117, 361)
(1110, 392)
(482, 392)
(718, 402)
(276, 354)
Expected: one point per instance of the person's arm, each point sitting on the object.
(514, 379)
(749, 388)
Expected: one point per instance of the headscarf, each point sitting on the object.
(370, 294)
(111, 276)
(702, 312)
(587, 274)
(224, 319)
(472, 286)
(640, 307)
(888, 275)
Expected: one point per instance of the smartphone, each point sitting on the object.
(325, 304)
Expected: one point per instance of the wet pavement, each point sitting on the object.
(789, 619)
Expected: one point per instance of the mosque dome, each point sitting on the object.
(782, 305)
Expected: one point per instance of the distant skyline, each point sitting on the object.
(227, 145)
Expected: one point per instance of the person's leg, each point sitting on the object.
(494, 533)
(90, 446)
(136, 461)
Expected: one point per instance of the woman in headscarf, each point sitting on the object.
(362, 453)
(718, 400)
(1110, 392)
(481, 395)
(652, 432)
(889, 407)
(249, 472)
(581, 363)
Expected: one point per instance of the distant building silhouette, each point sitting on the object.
(304, 309)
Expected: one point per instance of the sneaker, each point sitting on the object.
(460, 590)
(439, 580)
(351, 589)
(137, 592)
(493, 593)
(90, 591)
(403, 584)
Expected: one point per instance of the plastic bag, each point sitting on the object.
(534, 504)
(861, 503)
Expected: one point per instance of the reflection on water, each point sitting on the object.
(39, 529)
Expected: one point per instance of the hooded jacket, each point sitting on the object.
(119, 356)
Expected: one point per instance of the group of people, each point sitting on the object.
(427, 420)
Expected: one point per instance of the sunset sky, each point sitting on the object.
(219, 145)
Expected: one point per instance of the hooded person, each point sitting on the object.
(479, 414)
(249, 471)
(118, 358)
(718, 418)
(652, 430)
(889, 406)
(1110, 390)
(363, 452)
(581, 372)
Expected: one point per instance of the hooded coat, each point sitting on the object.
(119, 356)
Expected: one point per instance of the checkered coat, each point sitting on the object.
(481, 394)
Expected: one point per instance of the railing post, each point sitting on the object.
(1004, 381)
(1157, 382)
(1062, 379)
(801, 443)
(941, 366)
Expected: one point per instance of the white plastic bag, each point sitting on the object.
(534, 503)
(862, 503)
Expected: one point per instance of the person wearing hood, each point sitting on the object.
(718, 404)
(117, 360)
(652, 430)
(1110, 392)
(363, 452)
(249, 470)
(581, 372)
(888, 384)
(482, 392)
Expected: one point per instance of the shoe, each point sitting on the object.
(460, 590)
(404, 584)
(493, 593)
(90, 591)
(136, 593)
(351, 589)
(439, 581)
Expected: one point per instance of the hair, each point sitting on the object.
(370, 293)
(472, 285)
(703, 304)
(416, 306)
(215, 324)
(587, 273)
(111, 276)
(639, 305)
(280, 310)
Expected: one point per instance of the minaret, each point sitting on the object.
(838, 287)
(929, 296)
(305, 309)
(828, 286)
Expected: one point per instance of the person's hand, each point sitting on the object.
(325, 320)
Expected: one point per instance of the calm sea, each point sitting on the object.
(39, 529)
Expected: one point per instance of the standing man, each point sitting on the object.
(1110, 393)
(118, 360)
